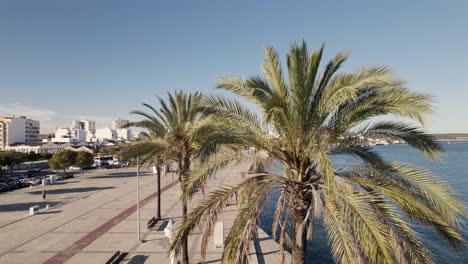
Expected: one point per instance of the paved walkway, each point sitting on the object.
(94, 216)
(155, 245)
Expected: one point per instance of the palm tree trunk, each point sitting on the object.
(158, 213)
(298, 207)
(185, 256)
(299, 243)
(184, 165)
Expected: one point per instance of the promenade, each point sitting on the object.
(93, 216)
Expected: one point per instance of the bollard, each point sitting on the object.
(218, 234)
(47, 207)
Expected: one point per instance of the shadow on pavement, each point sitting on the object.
(25, 206)
(120, 175)
(65, 182)
(137, 259)
(72, 190)
(50, 212)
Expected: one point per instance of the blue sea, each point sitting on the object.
(453, 168)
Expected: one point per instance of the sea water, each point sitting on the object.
(453, 168)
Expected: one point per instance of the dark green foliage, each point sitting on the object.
(62, 160)
(11, 158)
(84, 159)
(109, 150)
(45, 156)
(33, 156)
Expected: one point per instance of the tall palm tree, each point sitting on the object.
(175, 123)
(363, 207)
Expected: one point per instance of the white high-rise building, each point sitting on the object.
(119, 123)
(106, 133)
(18, 129)
(87, 125)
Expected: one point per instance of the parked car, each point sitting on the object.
(14, 185)
(4, 187)
(29, 181)
(107, 166)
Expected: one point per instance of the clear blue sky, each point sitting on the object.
(61, 60)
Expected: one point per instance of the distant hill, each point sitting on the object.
(451, 137)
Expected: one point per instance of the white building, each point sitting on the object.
(37, 147)
(119, 123)
(105, 134)
(79, 131)
(69, 135)
(138, 135)
(87, 125)
(124, 134)
(18, 129)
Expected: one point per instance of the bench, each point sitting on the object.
(111, 260)
(33, 210)
(117, 257)
(152, 222)
(120, 257)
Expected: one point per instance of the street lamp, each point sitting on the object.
(138, 201)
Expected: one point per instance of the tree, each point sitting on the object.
(109, 150)
(84, 160)
(11, 158)
(364, 208)
(180, 124)
(62, 160)
(45, 156)
(32, 156)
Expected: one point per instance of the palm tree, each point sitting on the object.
(363, 207)
(176, 124)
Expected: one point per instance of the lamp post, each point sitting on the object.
(138, 201)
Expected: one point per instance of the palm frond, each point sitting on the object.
(371, 235)
(339, 233)
(244, 229)
(208, 209)
(424, 206)
(206, 169)
(412, 135)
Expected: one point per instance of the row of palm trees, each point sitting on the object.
(366, 209)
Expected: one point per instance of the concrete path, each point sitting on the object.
(153, 250)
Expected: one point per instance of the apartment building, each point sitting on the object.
(18, 129)
(106, 133)
(79, 131)
(69, 135)
(119, 123)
